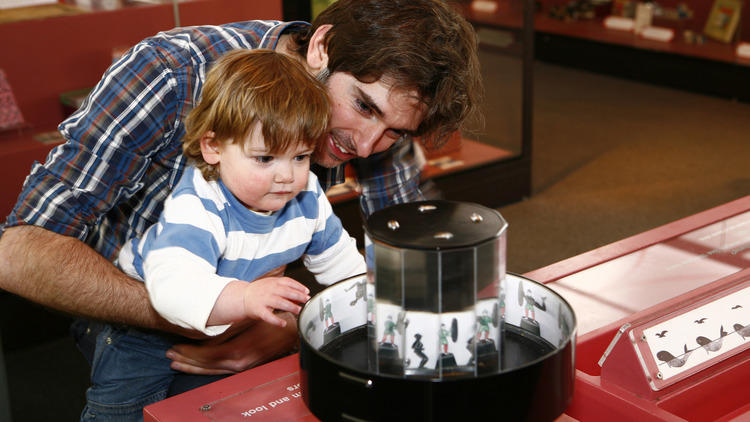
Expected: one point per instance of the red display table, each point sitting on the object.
(641, 281)
(266, 393)
(635, 285)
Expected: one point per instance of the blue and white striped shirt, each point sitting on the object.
(206, 238)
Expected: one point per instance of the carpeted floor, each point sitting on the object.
(612, 158)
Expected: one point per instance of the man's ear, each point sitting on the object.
(317, 49)
(210, 148)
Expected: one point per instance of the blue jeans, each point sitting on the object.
(129, 370)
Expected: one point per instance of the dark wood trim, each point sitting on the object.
(690, 73)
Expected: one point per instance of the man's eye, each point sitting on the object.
(394, 134)
(264, 159)
(302, 157)
(363, 106)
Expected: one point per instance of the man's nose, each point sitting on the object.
(371, 140)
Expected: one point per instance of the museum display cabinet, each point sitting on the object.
(701, 46)
(696, 45)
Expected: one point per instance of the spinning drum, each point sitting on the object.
(436, 329)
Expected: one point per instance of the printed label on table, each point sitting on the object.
(278, 400)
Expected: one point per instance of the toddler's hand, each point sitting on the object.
(264, 295)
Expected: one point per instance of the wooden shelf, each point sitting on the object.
(476, 172)
(594, 30)
(471, 155)
(509, 15)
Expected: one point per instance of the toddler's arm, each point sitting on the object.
(332, 254)
(258, 300)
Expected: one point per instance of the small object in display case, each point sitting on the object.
(657, 33)
(10, 4)
(52, 137)
(681, 12)
(644, 15)
(723, 20)
(573, 11)
(619, 23)
(10, 114)
(484, 6)
(317, 6)
(691, 37)
(743, 50)
(623, 8)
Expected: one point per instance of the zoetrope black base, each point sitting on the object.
(534, 383)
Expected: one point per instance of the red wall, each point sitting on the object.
(44, 58)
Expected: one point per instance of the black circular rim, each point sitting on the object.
(555, 350)
(405, 226)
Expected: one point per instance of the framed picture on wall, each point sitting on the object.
(723, 20)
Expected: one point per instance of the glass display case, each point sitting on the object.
(697, 46)
(506, 52)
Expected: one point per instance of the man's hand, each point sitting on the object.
(258, 343)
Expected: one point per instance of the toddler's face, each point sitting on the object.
(260, 180)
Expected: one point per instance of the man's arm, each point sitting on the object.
(105, 161)
(65, 274)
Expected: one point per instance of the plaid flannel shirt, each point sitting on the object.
(123, 154)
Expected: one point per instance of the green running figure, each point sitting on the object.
(484, 325)
(327, 313)
(444, 338)
(390, 330)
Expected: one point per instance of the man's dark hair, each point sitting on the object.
(422, 45)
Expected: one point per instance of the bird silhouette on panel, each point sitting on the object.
(700, 321)
(674, 361)
(742, 330)
(711, 345)
(736, 306)
(662, 334)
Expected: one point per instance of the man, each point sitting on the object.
(394, 69)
